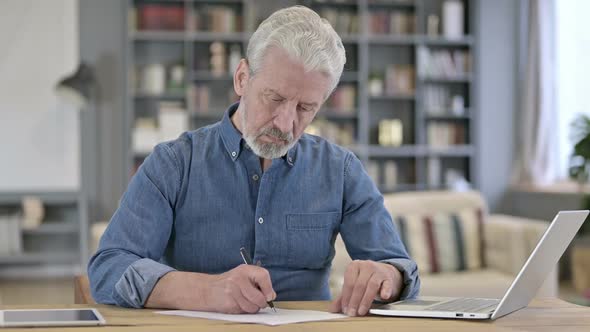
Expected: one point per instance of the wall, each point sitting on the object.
(497, 25)
(39, 138)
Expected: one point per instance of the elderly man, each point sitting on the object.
(255, 180)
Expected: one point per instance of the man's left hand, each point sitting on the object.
(363, 281)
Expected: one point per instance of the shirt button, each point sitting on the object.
(255, 177)
(260, 220)
(233, 154)
(290, 159)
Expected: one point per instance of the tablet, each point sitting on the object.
(50, 317)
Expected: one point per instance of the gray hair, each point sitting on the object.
(305, 36)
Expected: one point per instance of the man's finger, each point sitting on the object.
(349, 280)
(358, 291)
(261, 278)
(386, 289)
(253, 294)
(336, 305)
(244, 304)
(371, 291)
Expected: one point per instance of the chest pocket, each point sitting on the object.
(310, 237)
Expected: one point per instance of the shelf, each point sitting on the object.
(203, 75)
(406, 40)
(166, 96)
(393, 98)
(401, 151)
(41, 258)
(451, 151)
(411, 151)
(174, 36)
(50, 228)
(237, 37)
(52, 198)
(329, 114)
(399, 4)
(458, 79)
(448, 117)
(441, 41)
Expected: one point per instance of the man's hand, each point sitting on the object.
(244, 289)
(363, 281)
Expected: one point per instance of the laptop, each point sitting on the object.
(542, 260)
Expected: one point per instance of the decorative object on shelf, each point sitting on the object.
(432, 25)
(199, 95)
(341, 134)
(392, 22)
(217, 19)
(455, 181)
(376, 86)
(160, 17)
(33, 212)
(452, 13)
(445, 134)
(176, 79)
(344, 21)
(399, 80)
(458, 105)
(153, 79)
(441, 64)
(235, 55)
(217, 61)
(343, 99)
(390, 132)
(10, 235)
(145, 135)
(390, 174)
(172, 120)
(434, 172)
(78, 89)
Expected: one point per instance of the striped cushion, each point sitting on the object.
(444, 242)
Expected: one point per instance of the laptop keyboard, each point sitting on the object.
(466, 305)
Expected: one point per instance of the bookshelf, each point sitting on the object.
(405, 103)
(60, 239)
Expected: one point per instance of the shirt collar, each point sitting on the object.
(232, 138)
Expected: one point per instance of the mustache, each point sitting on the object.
(277, 133)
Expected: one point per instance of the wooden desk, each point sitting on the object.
(541, 315)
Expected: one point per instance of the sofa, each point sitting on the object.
(494, 247)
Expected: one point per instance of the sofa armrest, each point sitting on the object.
(510, 240)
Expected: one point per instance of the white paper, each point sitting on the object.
(265, 316)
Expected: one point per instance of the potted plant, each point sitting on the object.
(580, 159)
(580, 172)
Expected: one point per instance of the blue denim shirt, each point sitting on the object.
(196, 200)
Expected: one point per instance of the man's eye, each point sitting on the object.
(304, 109)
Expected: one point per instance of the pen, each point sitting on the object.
(248, 260)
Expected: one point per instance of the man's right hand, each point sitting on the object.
(244, 289)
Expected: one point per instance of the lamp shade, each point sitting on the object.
(78, 88)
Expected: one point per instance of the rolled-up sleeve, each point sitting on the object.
(368, 230)
(126, 266)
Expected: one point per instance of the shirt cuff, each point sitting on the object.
(137, 282)
(409, 270)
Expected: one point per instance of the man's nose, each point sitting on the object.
(285, 117)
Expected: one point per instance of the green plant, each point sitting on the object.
(580, 159)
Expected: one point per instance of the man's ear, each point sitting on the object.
(241, 77)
